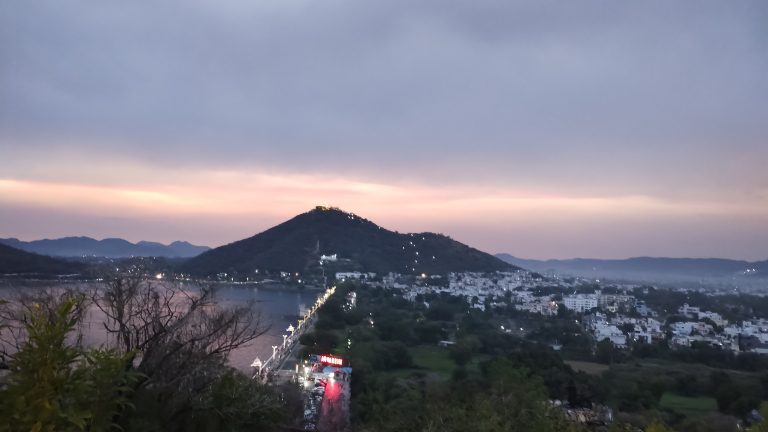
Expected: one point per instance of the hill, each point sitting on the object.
(647, 268)
(109, 248)
(18, 262)
(296, 246)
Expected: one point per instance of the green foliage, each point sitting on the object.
(237, 403)
(461, 354)
(690, 406)
(382, 356)
(319, 341)
(607, 353)
(710, 422)
(763, 425)
(513, 400)
(687, 385)
(429, 332)
(433, 359)
(56, 386)
(230, 401)
(658, 427)
(506, 399)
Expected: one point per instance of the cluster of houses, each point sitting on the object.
(607, 302)
(710, 328)
(525, 300)
(622, 330)
(618, 317)
(478, 289)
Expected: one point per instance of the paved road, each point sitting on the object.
(334, 412)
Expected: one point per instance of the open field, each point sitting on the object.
(690, 406)
(649, 370)
(433, 358)
(437, 360)
(591, 368)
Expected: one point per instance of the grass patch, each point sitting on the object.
(405, 374)
(433, 358)
(591, 368)
(690, 406)
(437, 361)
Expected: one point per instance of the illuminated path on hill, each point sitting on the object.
(263, 370)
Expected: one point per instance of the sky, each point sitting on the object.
(603, 129)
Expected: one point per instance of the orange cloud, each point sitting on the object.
(237, 193)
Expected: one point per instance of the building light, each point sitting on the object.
(335, 361)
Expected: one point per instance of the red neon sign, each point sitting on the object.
(336, 361)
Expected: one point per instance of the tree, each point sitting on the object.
(687, 384)
(55, 385)
(165, 370)
(178, 338)
(461, 354)
(627, 328)
(512, 401)
(606, 352)
(320, 341)
(15, 315)
(763, 425)
(237, 403)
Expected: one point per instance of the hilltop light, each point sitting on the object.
(159, 276)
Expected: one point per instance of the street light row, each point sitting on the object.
(300, 327)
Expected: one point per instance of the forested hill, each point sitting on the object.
(109, 248)
(296, 246)
(18, 262)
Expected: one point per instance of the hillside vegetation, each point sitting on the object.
(16, 261)
(296, 246)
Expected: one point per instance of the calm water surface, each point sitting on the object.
(279, 307)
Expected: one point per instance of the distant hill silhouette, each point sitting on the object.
(645, 267)
(296, 246)
(18, 262)
(109, 248)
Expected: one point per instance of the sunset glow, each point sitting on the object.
(540, 140)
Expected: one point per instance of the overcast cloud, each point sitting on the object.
(667, 100)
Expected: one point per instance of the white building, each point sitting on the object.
(714, 316)
(328, 258)
(354, 275)
(612, 333)
(580, 302)
(689, 311)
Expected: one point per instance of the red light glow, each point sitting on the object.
(336, 361)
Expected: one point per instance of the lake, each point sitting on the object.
(279, 307)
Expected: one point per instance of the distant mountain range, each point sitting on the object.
(18, 262)
(359, 244)
(646, 268)
(109, 248)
